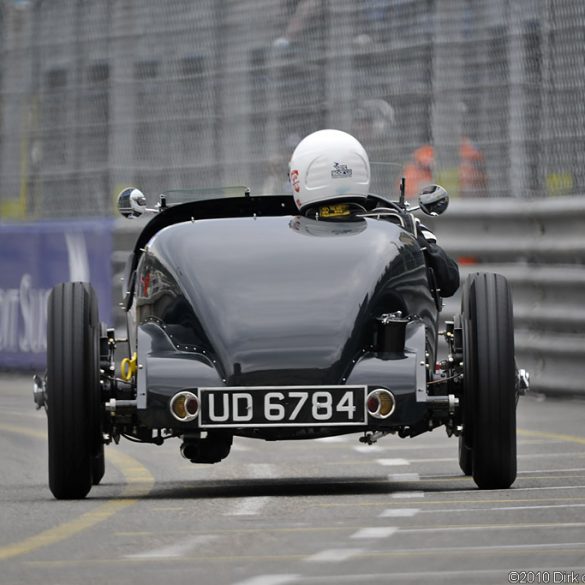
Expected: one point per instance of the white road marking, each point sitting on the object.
(503, 508)
(537, 546)
(520, 456)
(400, 477)
(196, 467)
(238, 448)
(392, 462)
(435, 460)
(269, 580)
(524, 489)
(553, 470)
(541, 507)
(420, 447)
(406, 495)
(343, 554)
(450, 529)
(369, 448)
(375, 532)
(399, 513)
(252, 506)
(416, 445)
(551, 455)
(261, 470)
(428, 447)
(439, 476)
(353, 578)
(339, 439)
(334, 555)
(524, 472)
(180, 549)
(249, 506)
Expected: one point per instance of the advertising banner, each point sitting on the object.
(33, 258)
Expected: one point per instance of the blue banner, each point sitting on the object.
(34, 257)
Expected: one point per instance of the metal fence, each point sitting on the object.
(484, 96)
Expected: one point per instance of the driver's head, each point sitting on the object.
(329, 167)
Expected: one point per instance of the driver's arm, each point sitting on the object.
(445, 268)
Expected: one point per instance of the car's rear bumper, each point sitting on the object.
(164, 372)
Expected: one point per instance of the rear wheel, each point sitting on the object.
(465, 457)
(98, 466)
(73, 390)
(489, 382)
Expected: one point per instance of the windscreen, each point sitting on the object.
(178, 196)
(385, 182)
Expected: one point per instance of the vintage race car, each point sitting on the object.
(246, 319)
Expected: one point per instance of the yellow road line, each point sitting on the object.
(18, 430)
(139, 484)
(552, 436)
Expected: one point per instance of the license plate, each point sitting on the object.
(276, 406)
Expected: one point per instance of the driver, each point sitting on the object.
(329, 173)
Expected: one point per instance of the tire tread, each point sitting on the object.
(71, 384)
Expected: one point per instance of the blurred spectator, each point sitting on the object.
(472, 175)
(418, 172)
(303, 14)
(472, 180)
(372, 120)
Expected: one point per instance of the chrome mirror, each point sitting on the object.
(131, 203)
(433, 200)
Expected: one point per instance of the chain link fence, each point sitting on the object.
(483, 96)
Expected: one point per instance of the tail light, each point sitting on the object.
(380, 403)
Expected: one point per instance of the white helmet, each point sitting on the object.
(329, 165)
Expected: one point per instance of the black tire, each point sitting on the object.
(465, 457)
(98, 466)
(72, 389)
(489, 381)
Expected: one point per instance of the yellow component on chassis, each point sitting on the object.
(128, 367)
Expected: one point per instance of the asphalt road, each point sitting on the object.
(318, 512)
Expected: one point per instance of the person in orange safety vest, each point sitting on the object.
(418, 172)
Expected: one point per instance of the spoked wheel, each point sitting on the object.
(489, 396)
(73, 391)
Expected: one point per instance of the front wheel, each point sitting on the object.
(489, 393)
(98, 466)
(73, 390)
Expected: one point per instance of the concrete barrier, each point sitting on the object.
(539, 246)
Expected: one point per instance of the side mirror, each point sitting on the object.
(131, 203)
(433, 200)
